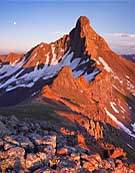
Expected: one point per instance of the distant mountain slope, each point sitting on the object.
(130, 57)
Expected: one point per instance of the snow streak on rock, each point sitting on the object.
(106, 66)
(121, 125)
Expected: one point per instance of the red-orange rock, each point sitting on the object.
(62, 151)
(118, 152)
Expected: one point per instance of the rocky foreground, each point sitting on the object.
(40, 147)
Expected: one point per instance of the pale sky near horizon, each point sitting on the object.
(26, 23)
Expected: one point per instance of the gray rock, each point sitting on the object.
(3, 129)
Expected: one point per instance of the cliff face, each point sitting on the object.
(85, 40)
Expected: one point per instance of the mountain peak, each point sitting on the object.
(85, 41)
(82, 22)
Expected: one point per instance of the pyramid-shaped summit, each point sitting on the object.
(82, 21)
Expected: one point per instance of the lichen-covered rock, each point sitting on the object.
(15, 152)
(57, 151)
(11, 139)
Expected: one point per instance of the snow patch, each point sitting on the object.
(130, 146)
(77, 73)
(54, 61)
(75, 63)
(8, 69)
(113, 107)
(130, 107)
(51, 71)
(123, 110)
(61, 50)
(47, 59)
(48, 70)
(11, 80)
(127, 76)
(41, 45)
(106, 66)
(133, 126)
(14, 63)
(116, 88)
(29, 85)
(121, 125)
(36, 92)
(131, 87)
(98, 62)
(117, 78)
(89, 77)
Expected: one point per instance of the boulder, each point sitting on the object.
(118, 152)
(62, 151)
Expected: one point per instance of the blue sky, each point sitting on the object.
(25, 23)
